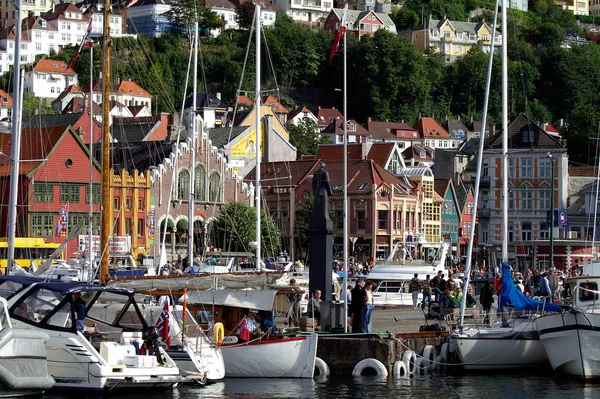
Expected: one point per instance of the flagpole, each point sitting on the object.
(345, 287)
(91, 193)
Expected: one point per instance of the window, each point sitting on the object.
(545, 199)
(69, 193)
(96, 194)
(183, 187)
(526, 167)
(38, 47)
(128, 226)
(545, 167)
(428, 189)
(140, 204)
(526, 231)
(339, 219)
(43, 192)
(199, 185)
(75, 219)
(511, 231)
(382, 220)
(544, 230)
(511, 199)
(42, 225)
(528, 136)
(128, 204)
(214, 189)
(586, 291)
(446, 34)
(527, 199)
(360, 220)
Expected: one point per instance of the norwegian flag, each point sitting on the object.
(85, 42)
(342, 29)
(61, 225)
(162, 325)
(30, 181)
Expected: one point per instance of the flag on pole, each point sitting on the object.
(85, 42)
(162, 325)
(341, 30)
(30, 182)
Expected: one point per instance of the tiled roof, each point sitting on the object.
(205, 100)
(131, 88)
(277, 107)
(139, 155)
(385, 130)
(440, 186)
(352, 129)
(133, 129)
(223, 135)
(454, 125)
(60, 12)
(585, 171)
(52, 66)
(245, 101)
(326, 115)
(77, 105)
(413, 152)
(381, 152)
(48, 121)
(333, 152)
(429, 128)
(5, 99)
(67, 91)
(523, 133)
(135, 109)
(220, 4)
(298, 110)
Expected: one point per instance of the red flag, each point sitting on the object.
(162, 325)
(85, 42)
(341, 30)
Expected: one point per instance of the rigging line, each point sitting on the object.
(242, 76)
(270, 60)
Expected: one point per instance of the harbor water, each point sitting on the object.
(436, 385)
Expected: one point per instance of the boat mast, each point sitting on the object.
(504, 133)
(486, 98)
(257, 186)
(594, 251)
(346, 238)
(90, 194)
(106, 167)
(191, 198)
(16, 144)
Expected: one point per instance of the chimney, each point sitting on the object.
(218, 96)
(366, 148)
(420, 116)
(458, 117)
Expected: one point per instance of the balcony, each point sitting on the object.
(486, 181)
(484, 213)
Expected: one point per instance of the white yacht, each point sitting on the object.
(116, 350)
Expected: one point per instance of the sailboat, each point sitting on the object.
(514, 342)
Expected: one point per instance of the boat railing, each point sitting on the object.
(509, 317)
(584, 297)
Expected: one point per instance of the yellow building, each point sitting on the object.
(454, 39)
(577, 7)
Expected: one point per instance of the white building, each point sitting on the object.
(305, 11)
(47, 79)
(6, 106)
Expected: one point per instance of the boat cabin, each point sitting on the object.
(584, 291)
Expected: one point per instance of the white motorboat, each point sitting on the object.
(392, 277)
(116, 350)
(572, 338)
(23, 363)
(510, 344)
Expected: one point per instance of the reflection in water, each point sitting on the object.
(435, 385)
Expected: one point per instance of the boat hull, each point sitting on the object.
(571, 340)
(499, 349)
(281, 358)
(202, 359)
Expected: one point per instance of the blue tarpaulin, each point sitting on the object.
(511, 296)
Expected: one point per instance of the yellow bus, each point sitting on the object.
(27, 249)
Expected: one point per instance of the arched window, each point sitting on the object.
(199, 185)
(214, 190)
(183, 188)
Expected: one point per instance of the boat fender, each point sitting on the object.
(445, 352)
(421, 366)
(439, 362)
(409, 358)
(429, 353)
(218, 333)
(370, 363)
(399, 370)
(321, 367)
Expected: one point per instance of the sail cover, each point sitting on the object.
(511, 296)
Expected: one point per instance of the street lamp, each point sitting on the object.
(152, 169)
(551, 212)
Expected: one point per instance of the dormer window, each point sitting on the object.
(54, 66)
(363, 186)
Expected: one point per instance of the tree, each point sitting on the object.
(405, 18)
(235, 227)
(306, 137)
(244, 14)
(183, 14)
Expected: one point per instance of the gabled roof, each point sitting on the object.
(48, 121)
(354, 16)
(381, 153)
(35, 22)
(52, 66)
(205, 100)
(275, 104)
(523, 133)
(298, 110)
(220, 4)
(462, 193)
(414, 152)
(77, 105)
(60, 12)
(141, 3)
(136, 109)
(335, 152)
(454, 125)
(69, 90)
(139, 155)
(244, 101)
(220, 136)
(129, 87)
(458, 26)
(352, 129)
(440, 186)
(5, 100)
(429, 128)
(134, 129)
(326, 115)
(385, 130)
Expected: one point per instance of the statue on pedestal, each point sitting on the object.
(321, 192)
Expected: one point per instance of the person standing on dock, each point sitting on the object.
(368, 309)
(414, 287)
(358, 303)
(426, 291)
(435, 285)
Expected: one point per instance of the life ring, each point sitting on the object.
(421, 366)
(429, 353)
(370, 363)
(399, 370)
(218, 333)
(409, 358)
(321, 367)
